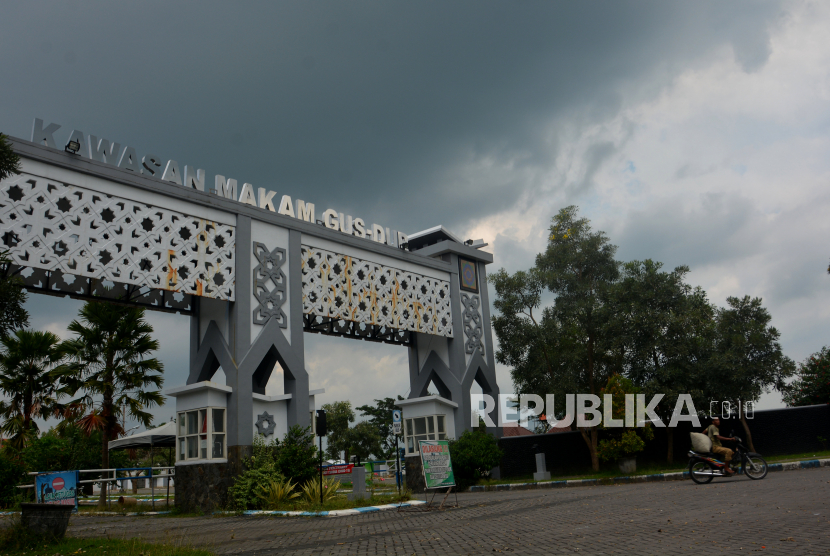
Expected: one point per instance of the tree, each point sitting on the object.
(664, 335)
(28, 358)
(747, 359)
(364, 441)
(69, 448)
(110, 361)
(812, 383)
(566, 350)
(9, 161)
(12, 298)
(380, 417)
(338, 417)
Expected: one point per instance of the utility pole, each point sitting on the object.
(321, 432)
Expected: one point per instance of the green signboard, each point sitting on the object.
(435, 461)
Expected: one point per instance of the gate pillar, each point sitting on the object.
(453, 364)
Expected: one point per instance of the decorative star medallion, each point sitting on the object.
(265, 424)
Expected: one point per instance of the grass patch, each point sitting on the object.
(104, 547)
(16, 540)
(117, 508)
(340, 502)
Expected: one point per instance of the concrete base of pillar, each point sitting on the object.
(414, 475)
(543, 476)
(203, 487)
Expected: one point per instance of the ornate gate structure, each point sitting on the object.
(251, 279)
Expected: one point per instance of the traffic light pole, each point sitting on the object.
(321, 470)
(398, 466)
(320, 426)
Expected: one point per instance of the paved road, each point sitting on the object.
(736, 516)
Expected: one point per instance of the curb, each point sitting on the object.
(660, 477)
(332, 513)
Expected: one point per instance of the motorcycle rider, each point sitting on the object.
(713, 431)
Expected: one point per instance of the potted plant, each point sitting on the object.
(624, 448)
(623, 443)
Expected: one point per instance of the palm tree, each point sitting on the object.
(109, 361)
(27, 359)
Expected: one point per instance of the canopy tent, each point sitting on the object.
(160, 437)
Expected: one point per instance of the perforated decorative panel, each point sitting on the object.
(55, 226)
(350, 289)
(472, 323)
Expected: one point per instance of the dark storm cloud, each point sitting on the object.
(378, 108)
(721, 228)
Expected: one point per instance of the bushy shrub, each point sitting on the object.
(67, 450)
(622, 442)
(293, 459)
(311, 490)
(260, 469)
(296, 455)
(12, 474)
(275, 493)
(627, 444)
(473, 455)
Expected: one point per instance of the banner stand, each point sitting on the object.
(436, 465)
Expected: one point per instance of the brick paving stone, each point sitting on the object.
(734, 516)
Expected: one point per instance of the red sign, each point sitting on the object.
(57, 484)
(341, 469)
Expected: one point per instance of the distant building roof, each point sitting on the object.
(515, 431)
(559, 426)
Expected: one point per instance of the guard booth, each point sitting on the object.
(254, 271)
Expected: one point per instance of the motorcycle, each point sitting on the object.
(705, 466)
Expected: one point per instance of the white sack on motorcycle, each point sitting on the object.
(700, 442)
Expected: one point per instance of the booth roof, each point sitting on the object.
(161, 437)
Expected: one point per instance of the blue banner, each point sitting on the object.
(58, 488)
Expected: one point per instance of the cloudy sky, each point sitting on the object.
(692, 133)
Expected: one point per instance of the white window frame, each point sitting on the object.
(413, 448)
(209, 432)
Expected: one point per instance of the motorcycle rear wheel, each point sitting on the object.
(756, 467)
(697, 467)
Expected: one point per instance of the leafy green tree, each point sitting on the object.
(338, 417)
(565, 348)
(9, 161)
(747, 359)
(473, 455)
(380, 417)
(110, 361)
(364, 441)
(12, 298)
(26, 363)
(663, 333)
(69, 448)
(812, 383)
